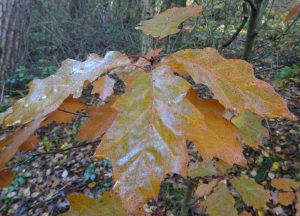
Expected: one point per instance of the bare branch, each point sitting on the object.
(252, 5)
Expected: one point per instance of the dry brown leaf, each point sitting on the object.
(166, 23)
(251, 128)
(221, 202)
(205, 189)
(285, 184)
(30, 144)
(252, 193)
(286, 198)
(6, 178)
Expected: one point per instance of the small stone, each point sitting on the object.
(45, 214)
(11, 194)
(277, 149)
(35, 194)
(48, 172)
(59, 156)
(253, 173)
(278, 210)
(271, 175)
(26, 192)
(108, 175)
(92, 184)
(64, 174)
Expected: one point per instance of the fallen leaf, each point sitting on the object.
(298, 204)
(6, 178)
(81, 205)
(205, 189)
(245, 213)
(202, 169)
(166, 23)
(222, 167)
(221, 202)
(285, 184)
(30, 144)
(252, 193)
(286, 198)
(293, 12)
(251, 128)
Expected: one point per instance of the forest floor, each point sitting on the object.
(59, 164)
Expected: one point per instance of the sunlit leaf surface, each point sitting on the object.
(232, 81)
(46, 95)
(166, 23)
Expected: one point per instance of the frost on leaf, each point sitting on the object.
(109, 205)
(144, 143)
(285, 184)
(251, 128)
(104, 86)
(232, 81)
(166, 23)
(252, 193)
(220, 202)
(10, 145)
(46, 95)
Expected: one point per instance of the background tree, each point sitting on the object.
(13, 26)
(148, 11)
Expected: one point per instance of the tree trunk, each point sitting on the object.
(148, 10)
(258, 8)
(13, 26)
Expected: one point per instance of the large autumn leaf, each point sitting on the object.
(143, 143)
(166, 23)
(47, 94)
(232, 81)
(147, 138)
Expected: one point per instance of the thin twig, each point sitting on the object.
(48, 153)
(239, 29)
(252, 5)
(66, 111)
